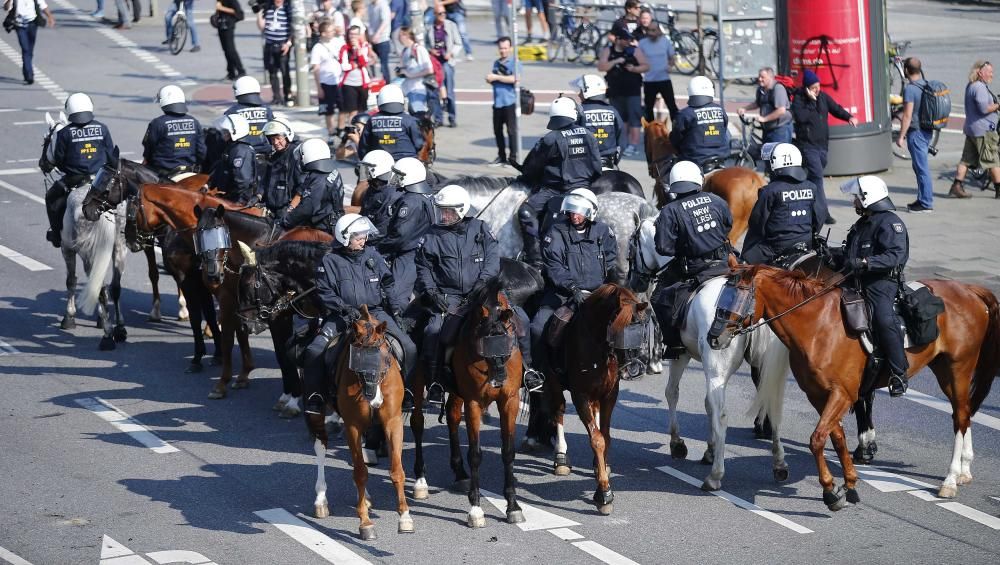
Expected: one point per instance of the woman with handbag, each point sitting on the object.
(25, 16)
(227, 13)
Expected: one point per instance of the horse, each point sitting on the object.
(738, 186)
(828, 363)
(99, 243)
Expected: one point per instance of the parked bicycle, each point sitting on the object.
(178, 29)
(579, 39)
(746, 149)
(685, 45)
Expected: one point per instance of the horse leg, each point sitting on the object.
(965, 477)
(154, 279)
(761, 426)
(420, 489)
(957, 391)
(318, 430)
(281, 332)
(839, 440)
(832, 411)
(508, 432)
(865, 452)
(207, 304)
(246, 365)
(394, 438)
(603, 497)
(353, 433)
(473, 417)
(104, 319)
(374, 443)
(228, 337)
(607, 407)
(677, 448)
(715, 397)
(454, 414)
(561, 466)
(120, 334)
(191, 284)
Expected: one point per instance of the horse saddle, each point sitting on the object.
(178, 177)
(916, 309)
(679, 296)
(791, 258)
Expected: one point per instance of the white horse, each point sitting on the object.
(762, 349)
(100, 244)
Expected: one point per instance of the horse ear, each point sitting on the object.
(645, 124)
(62, 117)
(249, 256)
(641, 306)
(365, 315)
(220, 210)
(49, 121)
(380, 329)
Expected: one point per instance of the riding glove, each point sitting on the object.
(350, 314)
(438, 300)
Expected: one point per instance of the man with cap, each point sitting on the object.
(787, 216)
(810, 112)
(701, 132)
(235, 175)
(693, 229)
(875, 252)
(624, 64)
(322, 190)
(379, 198)
(391, 129)
(282, 170)
(174, 142)
(79, 150)
(249, 105)
(601, 118)
(413, 216)
(566, 158)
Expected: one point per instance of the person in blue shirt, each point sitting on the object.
(503, 79)
(917, 140)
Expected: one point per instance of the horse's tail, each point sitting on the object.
(989, 352)
(96, 243)
(773, 356)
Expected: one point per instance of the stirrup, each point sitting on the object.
(897, 385)
(532, 380)
(407, 405)
(673, 352)
(435, 393)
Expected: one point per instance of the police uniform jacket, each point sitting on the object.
(378, 205)
(347, 280)
(882, 239)
(322, 202)
(579, 259)
(173, 141)
(236, 175)
(607, 126)
(701, 133)
(564, 159)
(83, 150)
(694, 228)
(399, 134)
(256, 116)
(414, 216)
(452, 259)
(786, 214)
(281, 178)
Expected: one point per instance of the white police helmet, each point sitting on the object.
(451, 197)
(237, 126)
(701, 90)
(685, 177)
(562, 112)
(315, 155)
(590, 86)
(79, 108)
(390, 99)
(279, 126)
(871, 191)
(786, 159)
(377, 164)
(171, 99)
(580, 201)
(246, 89)
(410, 174)
(352, 225)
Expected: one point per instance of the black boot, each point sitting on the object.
(435, 391)
(897, 385)
(54, 237)
(532, 252)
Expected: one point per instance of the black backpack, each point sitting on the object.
(935, 105)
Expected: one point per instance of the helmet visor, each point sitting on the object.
(365, 171)
(396, 178)
(358, 228)
(447, 215)
(578, 206)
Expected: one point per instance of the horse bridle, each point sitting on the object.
(268, 312)
(494, 347)
(626, 345)
(369, 362)
(643, 271)
(753, 327)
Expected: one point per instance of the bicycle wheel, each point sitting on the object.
(556, 48)
(178, 37)
(901, 152)
(686, 47)
(711, 52)
(896, 81)
(587, 45)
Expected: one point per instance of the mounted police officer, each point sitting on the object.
(80, 150)
(876, 251)
(349, 276)
(174, 142)
(701, 132)
(379, 198)
(602, 119)
(249, 105)
(391, 129)
(235, 176)
(322, 190)
(693, 229)
(787, 217)
(579, 254)
(282, 174)
(413, 216)
(564, 159)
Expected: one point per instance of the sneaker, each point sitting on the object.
(100, 14)
(165, 41)
(918, 208)
(452, 124)
(498, 162)
(289, 103)
(629, 151)
(120, 26)
(469, 57)
(196, 48)
(435, 394)
(527, 39)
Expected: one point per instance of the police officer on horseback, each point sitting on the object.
(379, 198)
(413, 216)
(80, 150)
(876, 251)
(564, 159)
(174, 142)
(249, 105)
(391, 129)
(787, 217)
(282, 174)
(322, 190)
(235, 175)
(579, 254)
(601, 118)
(693, 229)
(701, 132)
(351, 275)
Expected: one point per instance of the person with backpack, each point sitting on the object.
(918, 136)
(416, 69)
(230, 12)
(981, 139)
(773, 102)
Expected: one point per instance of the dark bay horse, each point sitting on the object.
(828, 362)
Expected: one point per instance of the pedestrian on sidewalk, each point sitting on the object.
(379, 27)
(501, 17)
(415, 64)
(445, 43)
(659, 51)
(772, 100)
(455, 12)
(539, 7)
(99, 11)
(354, 82)
(503, 79)
(981, 138)
(168, 17)
(624, 64)
(325, 63)
(275, 23)
(123, 15)
(917, 140)
(230, 12)
(25, 18)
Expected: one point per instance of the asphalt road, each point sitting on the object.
(229, 482)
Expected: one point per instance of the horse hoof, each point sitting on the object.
(476, 521)
(529, 445)
(368, 533)
(864, 455)
(154, 318)
(948, 492)
(561, 465)
(708, 458)
(852, 496)
(678, 450)
(711, 485)
(290, 412)
(836, 499)
(781, 475)
(420, 490)
(193, 368)
(462, 486)
(241, 383)
(68, 323)
(515, 517)
(405, 524)
(322, 511)
(120, 334)
(370, 457)
(606, 509)
(964, 479)
(217, 394)
(107, 344)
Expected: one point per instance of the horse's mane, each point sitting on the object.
(796, 284)
(141, 173)
(519, 280)
(622, 299)
(306, 254)
(481, 184)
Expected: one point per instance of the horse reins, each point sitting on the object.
(492, 200)
(824, 290)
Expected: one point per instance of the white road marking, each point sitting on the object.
(319, 543)
(107, 412)
(767, 514)
(23, 260)
(924, 495)
(12, 558)
(885, 481)
(7, 349)
(179, 556)
(565, 534)
(21, 171)
(945, 406)
(29, 123)
(603, 553)
(534, 518)
(972, 514)
(40, 77)
(22, 192)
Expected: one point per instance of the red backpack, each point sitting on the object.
(789, 84)
(438, 70)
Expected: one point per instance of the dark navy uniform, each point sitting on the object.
(378, 204)
(173, 143)
(414, 216)
(608, 128)
(397, 133)
(235, 176)
(344, 281)
(256, 116)
(784, 220)
(281, 179)
(700, 133)
(322, 202)
(79, 152)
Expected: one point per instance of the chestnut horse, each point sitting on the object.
(738, 186)
(828, 362)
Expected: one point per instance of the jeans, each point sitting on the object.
(814, 162)
(780, 134)
(459, 19)
(449, 85)
(382, 50)
(123, 14)
(918, 141)
(501, 17)
(100, 7)
(234, 66)
(189, 12)
(26, 37)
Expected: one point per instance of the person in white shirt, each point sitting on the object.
(416, 64)
(324, 60)
(24, 24)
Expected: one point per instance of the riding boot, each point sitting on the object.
(533, 252)
(673, 347)
(897, 385)
(958, 191)
(55, 208)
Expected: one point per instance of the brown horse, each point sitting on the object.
(607, 330)
(738, 186)
(828, 362)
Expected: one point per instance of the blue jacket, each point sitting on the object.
(378, 205)
(564, 159)
(322, 202)
(346, 279)
(281, 179)
(693, 228)
(236, 174)
(83, 150)
(256, 116)
(452, 259)
(786, 214)
(173, 141)
(701, 133)
(574, 259)
(607, 126)
(882, 239)
(399, 134)
(414, 216)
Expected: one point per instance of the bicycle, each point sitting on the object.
(685, 46)
(746, 149)
(178, 29)
(581, 36)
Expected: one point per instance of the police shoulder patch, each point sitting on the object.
(321, 269)
(420, 243)
(238, 162)
(548, 239)
(332, 176)
(403, 211)
(306, 193)
(898, 228)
